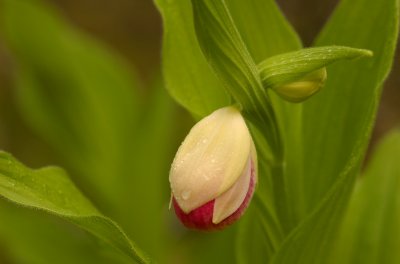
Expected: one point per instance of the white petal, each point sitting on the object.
(211, 158)
(228, 202)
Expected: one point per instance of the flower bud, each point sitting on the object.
(214, 172)
(302, 89)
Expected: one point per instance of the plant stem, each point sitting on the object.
(265, 120)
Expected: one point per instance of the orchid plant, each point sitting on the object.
(281, 131)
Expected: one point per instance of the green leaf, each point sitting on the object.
(344, 111)
(266, 33)
(75, 93)
(370, 232)
(337, 124)
(259, 234)
(27, 235)
(263, 28)
(292, 66)
(252, 243)
(49, 189)
(187, 75)
(225, 51)
(311, 240)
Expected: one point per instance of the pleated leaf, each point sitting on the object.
(337, 124)
(343, 113)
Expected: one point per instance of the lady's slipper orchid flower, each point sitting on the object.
(214, 172)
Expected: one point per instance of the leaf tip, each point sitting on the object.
(366, 53)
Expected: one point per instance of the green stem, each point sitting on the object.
(263, 117)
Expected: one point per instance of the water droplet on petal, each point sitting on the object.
(206, 178)
(186, 194)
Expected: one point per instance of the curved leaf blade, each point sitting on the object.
(49, 189)
(25, 236)
(188, 77)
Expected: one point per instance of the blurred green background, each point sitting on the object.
(133, 29)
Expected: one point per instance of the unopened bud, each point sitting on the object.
(214, 172)
(302, 89)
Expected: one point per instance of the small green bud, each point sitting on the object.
(302, 89)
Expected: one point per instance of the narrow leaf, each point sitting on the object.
(49, 189)
(188, 77)
(371, 232)
(292, 66)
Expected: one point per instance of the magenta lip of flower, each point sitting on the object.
(201, 217)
